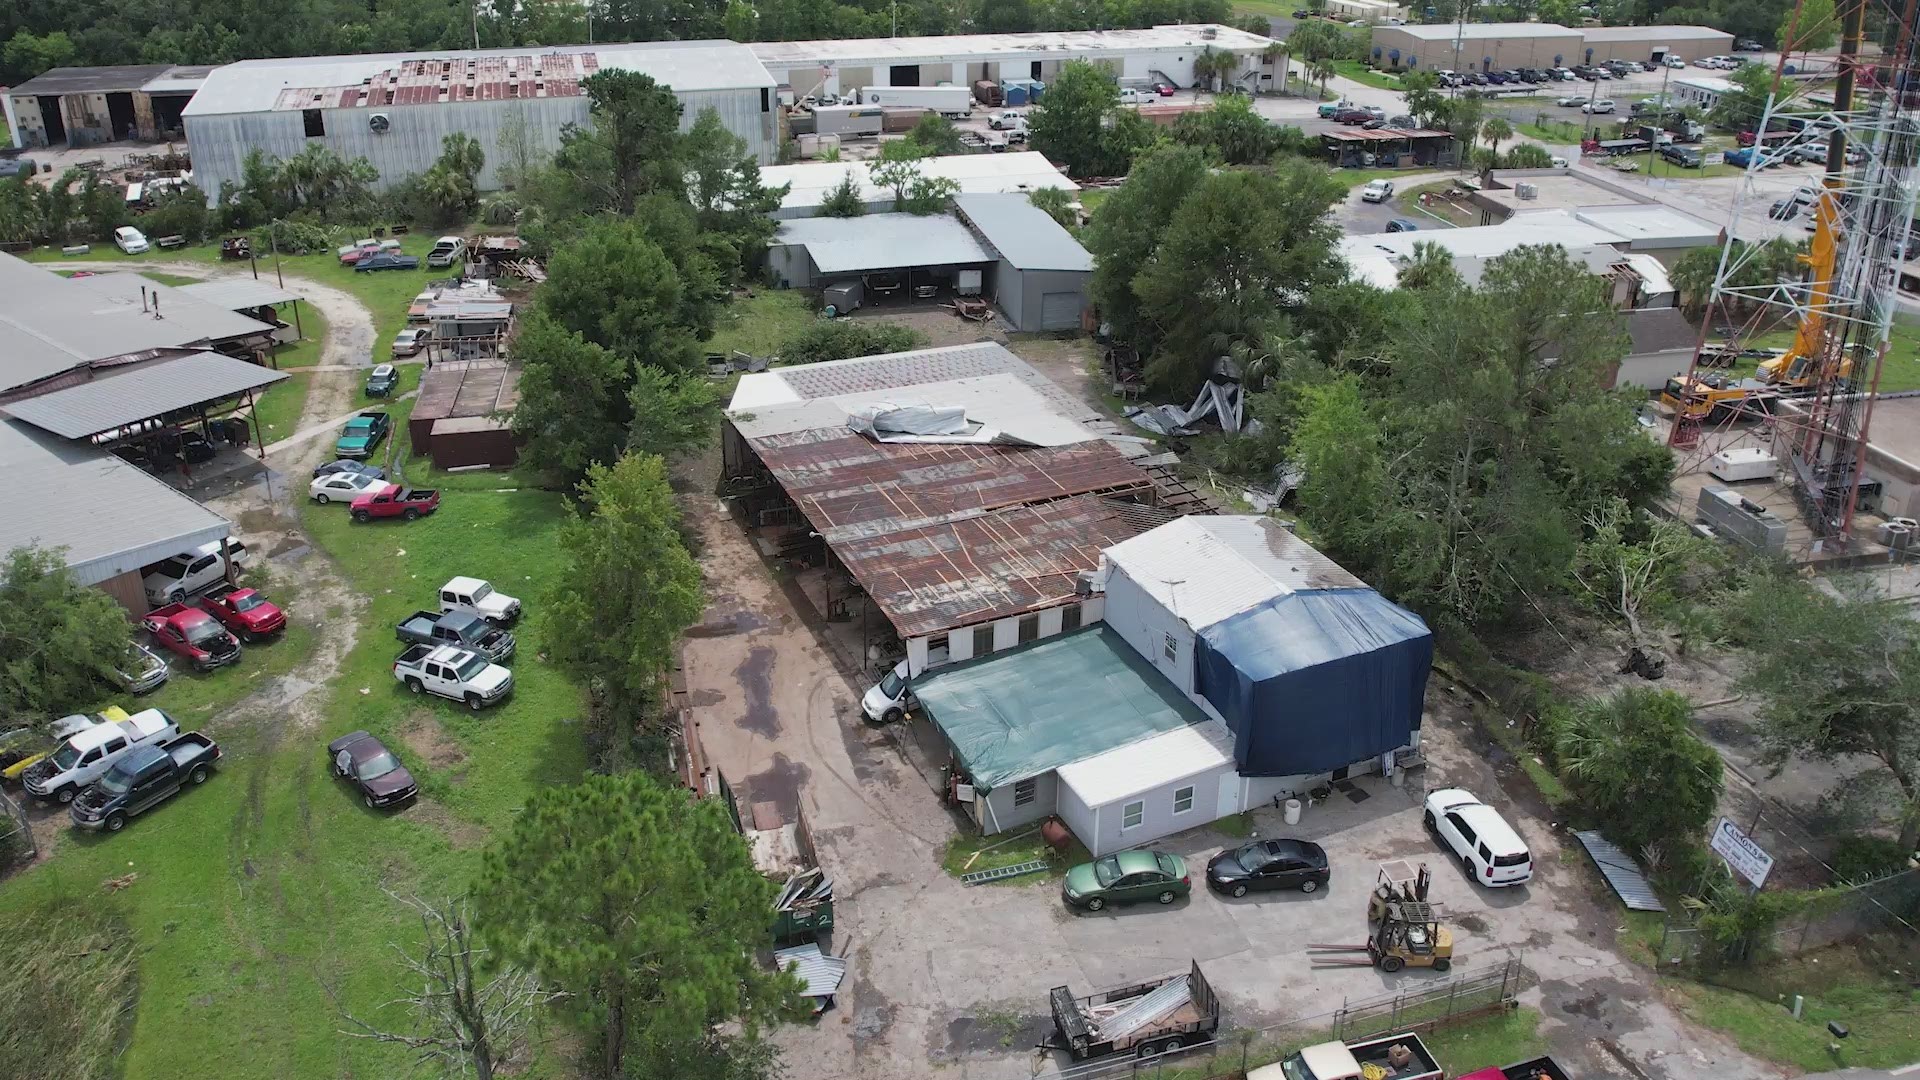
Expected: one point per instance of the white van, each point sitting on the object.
(1483, 841)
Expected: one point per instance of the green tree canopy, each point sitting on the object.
(1636, 765)
(1079, 122)
(59, 639)
(631, 148)
(645, 906)
(626, 557)
(1496, 454)
(1837, 674)
(643, 287)
(723, 184)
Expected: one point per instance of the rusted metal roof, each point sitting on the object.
(470, 78)
(987, 567)
(851, 487)
(467, 388)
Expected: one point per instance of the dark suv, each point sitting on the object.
(1681, 156)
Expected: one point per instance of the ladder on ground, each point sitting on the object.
(1001, 873)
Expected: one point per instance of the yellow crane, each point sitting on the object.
(1799, 367)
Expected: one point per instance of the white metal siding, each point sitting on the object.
(1006, 288)
(1077, 815)
(1144, 624)
(1158, 819)
(411, 144)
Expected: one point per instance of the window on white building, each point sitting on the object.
(1132, 814)
(1170, 649)
(1025, 790)
(1069, 618)
(1183, 799)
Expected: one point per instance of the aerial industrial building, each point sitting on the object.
(1495, 46)
(394, 108)
(1160, 52)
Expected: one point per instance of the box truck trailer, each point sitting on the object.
(948, 101)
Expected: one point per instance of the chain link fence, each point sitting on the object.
(1235, 1050)
(16, 838)
(1880, 915)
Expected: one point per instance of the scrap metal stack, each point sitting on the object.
(804, 893)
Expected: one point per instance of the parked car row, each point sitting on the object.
(1489, 849)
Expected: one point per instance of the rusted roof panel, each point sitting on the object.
(851, 487)
(467, 388)
(988, 567)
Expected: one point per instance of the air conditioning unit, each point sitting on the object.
(379, 123)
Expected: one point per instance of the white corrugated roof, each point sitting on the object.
(1024, 235)
(975, 173)
(1651, 225)
(883, 242)
(1150, 764)
(57, 491)
(1476, 32)
(1205, 568)
(1711, 84)
(1058, 44)
(1654, 34)
(1003, 402)
(255, 85)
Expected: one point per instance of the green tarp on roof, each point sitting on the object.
(1030, 710)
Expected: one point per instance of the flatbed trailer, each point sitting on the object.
(1144, 1019)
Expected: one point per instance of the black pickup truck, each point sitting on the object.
(459, 628)
(143, 778)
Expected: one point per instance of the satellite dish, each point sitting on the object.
(378, 123)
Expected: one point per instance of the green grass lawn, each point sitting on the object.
(1425, 216)
(259, 894)
(1505, 1039)
(1092, 198)
(1267, 8)
(1554, 131)
(1900, 371)
(761, 323)
(1880, 1007)
(1652, 164)
(968, 852)
(1361, 73)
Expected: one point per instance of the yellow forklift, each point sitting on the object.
(1407, 931)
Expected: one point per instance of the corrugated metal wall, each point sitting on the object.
(411, 144)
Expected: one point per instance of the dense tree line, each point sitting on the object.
(42, 34)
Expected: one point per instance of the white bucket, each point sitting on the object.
(1293, 811)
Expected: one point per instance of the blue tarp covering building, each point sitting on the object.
(1311, 670)
(1309, 682)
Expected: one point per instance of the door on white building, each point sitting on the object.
(1229, 802)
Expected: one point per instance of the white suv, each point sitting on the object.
(172, 580)
(1486, 845)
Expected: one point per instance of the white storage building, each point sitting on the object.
(846, 65)
(1475, 46)
(394, 108)
(977, 174)
(1653, 44)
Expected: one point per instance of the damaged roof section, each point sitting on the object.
(988, 567)
(958, 485)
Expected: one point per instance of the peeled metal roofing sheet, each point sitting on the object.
(1623, 874)
(821, 973)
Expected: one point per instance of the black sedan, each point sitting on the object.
(367, 764)
(1269, 864)
(348, 466)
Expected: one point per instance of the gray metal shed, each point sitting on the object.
(1040, 279)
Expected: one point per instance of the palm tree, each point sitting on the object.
(1277, 51)
(1321, 71)
(1495, 129)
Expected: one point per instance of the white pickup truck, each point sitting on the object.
(477, 597)
(86, 755)
(453, 673)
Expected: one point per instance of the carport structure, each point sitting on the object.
(251, 297)
(131, 407)
(1424, 145)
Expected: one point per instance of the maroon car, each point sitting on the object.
(367, 764)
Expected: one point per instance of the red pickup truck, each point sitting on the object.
(393, 500)
(245, 612)
(193, 634)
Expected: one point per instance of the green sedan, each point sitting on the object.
(1127, 878)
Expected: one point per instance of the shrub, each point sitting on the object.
(839, 339)
(1636, 765)
(1863, 858)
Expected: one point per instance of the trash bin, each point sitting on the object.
(1293, 811)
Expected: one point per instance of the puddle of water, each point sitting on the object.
(756, 680)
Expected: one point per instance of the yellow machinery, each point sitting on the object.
(1408, 930)
(1699, 397)
(1799, 367)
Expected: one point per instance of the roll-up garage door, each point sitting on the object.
(1059, 310)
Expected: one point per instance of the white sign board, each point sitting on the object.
(1745, 857)
(1716, 158)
